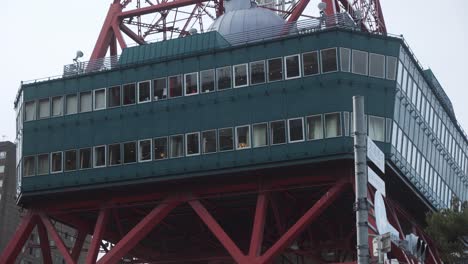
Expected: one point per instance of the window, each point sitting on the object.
(192, 141)
(225, 139)
(207, 81)
(176, 146)
(85, 158)
(2, 155)
(257, 72)
(314, 127)
(113, 99)
(332, 125)
(175, 86)
(29, 111)
(56, 162)
(160, 148)
(114, 154)
(310, 63)
(144, 150)
(43, 164)
(71, 104)
(99, 99)
(243, 137)
(160, 89)
(191, 83)
(376, 128)
(260, 135)
(85, 102)
(44, 108)
(376, 65)
(99, 156)
(359, 62)
(240, 75)
(57, 106)
(224, 78)
(329, 60)
(2, 169)
(144, 92)
(391, 67)
(208, 141)
(28, 166)
(296, 130)
(292, 66)
(345, 59)
(275, 69)
(130, 152)
(129, 94)
(70, 160)
(278, 132)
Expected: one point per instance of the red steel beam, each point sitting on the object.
(97, 236)
(58, 240)
(131, 239)
(218, 231)
(80, 239)
(21, 235)
(105, 35)
(259, 225)
(159, 7)
(314, 212)
(45, 245)
(297, 11)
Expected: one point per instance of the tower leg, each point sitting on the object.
(22, 233)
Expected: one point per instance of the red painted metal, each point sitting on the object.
(80, 239)
(97, 236)
(58, 240)
(44, 239)
(258, 226)
(22, 233)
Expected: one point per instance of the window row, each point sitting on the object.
(369, 64)
(189, 144)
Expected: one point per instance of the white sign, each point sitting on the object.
(376, 181)
(375, 155)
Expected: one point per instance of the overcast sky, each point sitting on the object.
(39, 37)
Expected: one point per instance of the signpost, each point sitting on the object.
(375, 155)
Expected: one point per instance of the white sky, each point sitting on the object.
(39, 37)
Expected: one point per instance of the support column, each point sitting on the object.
(80, 239)
(45, 245)
(258, 226)
(97, 236)
(58, 241)
(22, 233)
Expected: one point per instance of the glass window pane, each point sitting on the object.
(113, 96)
(332, 125)
(176, 146)
(175, 86)
(345, 59)
(310, 63)
(329, 61)
(30, 111)
(99, 156)
(85, 158)
(130, 152)
(242, 137)
(292, 67)
(296, 130)
(391, 67)
(56, 162)
(71, 104)
(275, 69)
(208, 141)
(115, 155)
(376, 128)
(191, 83)
(29, 166)
(57, 106)
(377, 65)
(257, 72)
(70, 160)
(85, 102)
(160, 89)
(192, 141)
(129, 94)
(144, 92)
(99, 99)
(360, 62)
(314, 127)
(44, 108)
(144, 150)
(207, 80)
(260, 135)
(223, 78)
(160, 148)
(278, 132)
(225, 139)
(43, 164)
(240, 75)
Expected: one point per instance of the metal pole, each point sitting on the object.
(360, 159)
